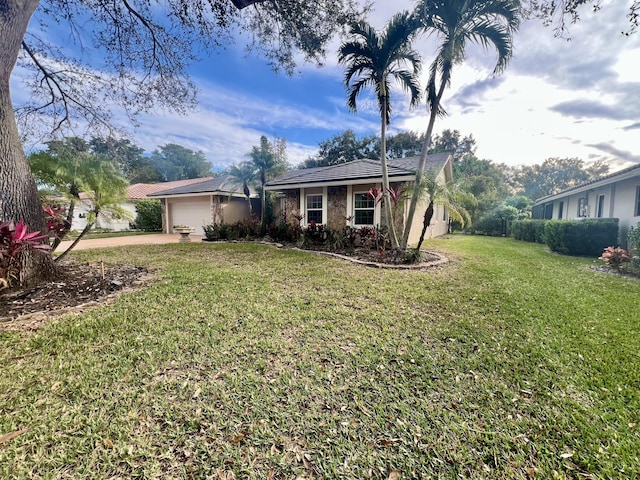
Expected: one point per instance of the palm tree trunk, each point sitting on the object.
(428, 215)
(84, 231)
(385, 180)
(415, 197)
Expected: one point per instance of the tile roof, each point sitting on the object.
(358, 170)
(221, 184)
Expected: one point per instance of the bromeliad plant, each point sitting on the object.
(615, 257)
(14, 239)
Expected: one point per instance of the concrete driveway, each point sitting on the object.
(156, 239)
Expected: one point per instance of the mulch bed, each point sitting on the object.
(78, 285)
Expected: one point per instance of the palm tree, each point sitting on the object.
(244, 173)
(456, 22)
(268, 164)
(106, 189)
(448, 195)
(373, 59)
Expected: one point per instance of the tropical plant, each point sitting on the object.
(105, 188)
(245, 174)
(456, 22)
(446, 194)
(372, 59)
(269, 161)
(615, 257)
(14, 239)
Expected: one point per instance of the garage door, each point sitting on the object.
(194, 213)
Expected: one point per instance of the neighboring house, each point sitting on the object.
(613, 196)
(217, 200)
(336, 196)
(135, 192)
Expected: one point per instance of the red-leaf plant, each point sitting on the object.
(615, 257)
(14, 238)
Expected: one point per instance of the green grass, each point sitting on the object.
(243, 361)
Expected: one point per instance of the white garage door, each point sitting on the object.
(192, 212)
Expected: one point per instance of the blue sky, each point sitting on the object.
(578, 98)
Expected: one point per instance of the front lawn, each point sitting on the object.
(244, 361)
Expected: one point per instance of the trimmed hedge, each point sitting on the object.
(581, 237)
(149, 215)
(529, 230)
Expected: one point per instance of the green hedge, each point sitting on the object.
(581, 237)
(529, 230)
(149, 215)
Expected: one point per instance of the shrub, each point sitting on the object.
(581, 237)
(212, 232)
(149, 215)
(286, 229)
(496, 222)
(14, 238)
(529, 230)
(615, 257)
(633, 245)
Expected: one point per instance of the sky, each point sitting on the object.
(557, 98)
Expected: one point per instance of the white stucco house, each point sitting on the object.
(613, 196)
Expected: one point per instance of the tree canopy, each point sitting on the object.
(558, 13)
(554, 175)
(175, 162)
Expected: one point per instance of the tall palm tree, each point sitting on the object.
(455, 23)
(373, 59)
(268, 163)
(244, 173)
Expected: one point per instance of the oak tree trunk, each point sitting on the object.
(19, 198)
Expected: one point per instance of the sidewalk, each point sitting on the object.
(156, 239)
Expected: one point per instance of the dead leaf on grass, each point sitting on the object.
(238, 438)
(10, 436)
(107, 442)
(394, 474)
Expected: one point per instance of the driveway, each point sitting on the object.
(159, 238)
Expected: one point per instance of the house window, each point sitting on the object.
(314, 208)
(364, 208)
(583, 208)
(548, 211)
(637, 212)
(600, 206)
(560, 210)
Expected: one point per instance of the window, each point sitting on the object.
(637, 212)
(548, 211)
(314, 208)
(600, 206)
(560, 210)
(583, 208)
(364, 208)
